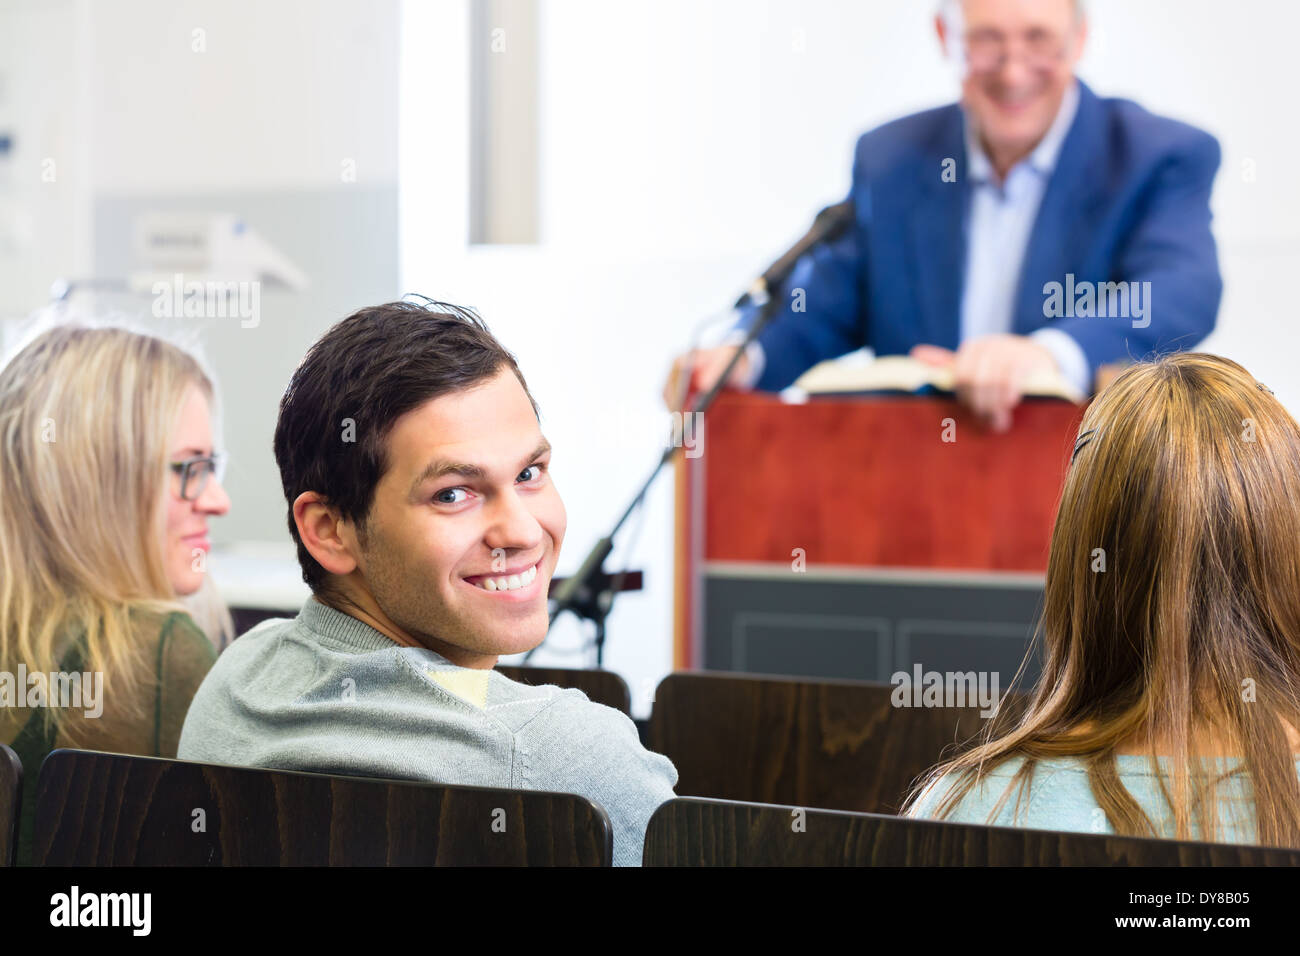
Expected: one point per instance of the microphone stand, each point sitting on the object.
(590, 591)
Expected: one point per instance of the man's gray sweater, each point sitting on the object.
(328, 693)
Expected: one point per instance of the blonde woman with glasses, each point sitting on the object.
(1170, 697)
(108, 477)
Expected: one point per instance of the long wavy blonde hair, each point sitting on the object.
(86, 419)
(1186, 476)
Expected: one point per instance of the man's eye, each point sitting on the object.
(448, 496)
(531, 473)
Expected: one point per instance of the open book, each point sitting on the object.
(901, 373)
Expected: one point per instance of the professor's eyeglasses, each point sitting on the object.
(196, 472)
(988, 50)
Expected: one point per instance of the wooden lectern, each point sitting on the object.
(887, 488)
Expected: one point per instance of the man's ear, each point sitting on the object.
(324, 534)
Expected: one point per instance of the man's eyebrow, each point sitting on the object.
(439, 468)
(543, 449)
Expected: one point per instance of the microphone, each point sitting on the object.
(827, 224)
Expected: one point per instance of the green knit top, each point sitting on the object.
(182, 655)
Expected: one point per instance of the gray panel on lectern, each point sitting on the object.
(760, 643)
(867, 628)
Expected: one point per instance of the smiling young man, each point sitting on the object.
(428, 528)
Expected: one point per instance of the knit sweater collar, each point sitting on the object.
(347, 631)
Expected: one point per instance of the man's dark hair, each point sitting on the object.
(359, 378)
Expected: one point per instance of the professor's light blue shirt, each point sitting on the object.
(1001, 221)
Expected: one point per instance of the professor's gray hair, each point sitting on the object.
(950, 10)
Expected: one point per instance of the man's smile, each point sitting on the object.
(519, 583)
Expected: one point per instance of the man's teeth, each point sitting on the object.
(511, 582)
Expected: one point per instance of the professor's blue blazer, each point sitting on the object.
(1128, 200)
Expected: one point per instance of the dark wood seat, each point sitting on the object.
(98, 809)
(695, 832)
(11, 804)
(839, 745)
(604, 687)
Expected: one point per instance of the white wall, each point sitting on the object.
(45, 107)
(194, 96)
(118, 99)
(686, 142)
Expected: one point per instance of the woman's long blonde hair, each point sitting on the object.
(86, 420)
(1172, 604)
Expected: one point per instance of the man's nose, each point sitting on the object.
(1015, 72)
(513, 525)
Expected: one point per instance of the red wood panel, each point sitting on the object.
(869, 481)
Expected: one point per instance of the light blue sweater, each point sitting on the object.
(1059, 797)
(328, 693)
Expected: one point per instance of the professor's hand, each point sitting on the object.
(989, 373)
(705, 367)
